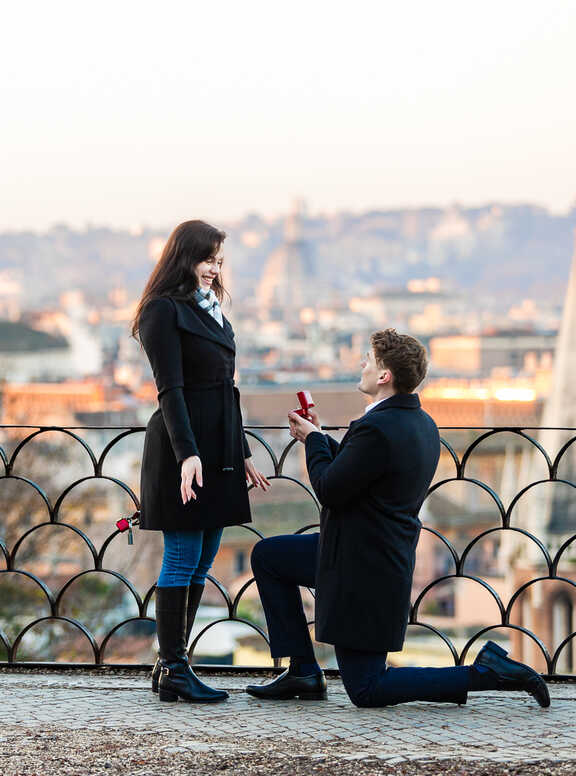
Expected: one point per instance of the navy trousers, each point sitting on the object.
(281, 565)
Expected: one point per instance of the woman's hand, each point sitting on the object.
(254, 477)
(300, 427)
(191, 470)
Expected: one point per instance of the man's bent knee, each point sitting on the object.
(260, 552)
(360, 698)
(365, 700)
(370, 697)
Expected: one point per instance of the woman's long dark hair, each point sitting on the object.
(189, 244)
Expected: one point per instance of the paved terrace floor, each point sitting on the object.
(109, 722)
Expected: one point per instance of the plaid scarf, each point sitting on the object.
(208, 301)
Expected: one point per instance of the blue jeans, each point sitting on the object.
(188, 556)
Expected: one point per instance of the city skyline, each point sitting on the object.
(296, 204)
(132, 116)
(492, 251)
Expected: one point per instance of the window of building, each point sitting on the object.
(240, 562)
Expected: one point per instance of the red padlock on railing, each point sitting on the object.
(126, 523)
(306, 401)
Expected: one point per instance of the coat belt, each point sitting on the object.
(229, 395)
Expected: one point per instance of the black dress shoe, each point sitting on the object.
(287, 686)
(511, 675)
(178, 680)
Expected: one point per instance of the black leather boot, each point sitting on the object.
(194, 595)
(177, 679)
(510, 675)
(287, 686)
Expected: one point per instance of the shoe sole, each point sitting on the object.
(167, 696)
(545, 701)
(307, 696)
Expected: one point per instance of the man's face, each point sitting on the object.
(372, 376)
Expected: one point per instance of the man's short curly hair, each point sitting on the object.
(403, 355)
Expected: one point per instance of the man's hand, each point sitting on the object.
(314, 419)
(191, 470)
(300, 427)
(254, 477)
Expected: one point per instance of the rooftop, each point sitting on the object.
(17, 338)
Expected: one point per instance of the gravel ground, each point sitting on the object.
(54, 751)
(106, 722)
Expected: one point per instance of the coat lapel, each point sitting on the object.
(199, 322)
(228, 330)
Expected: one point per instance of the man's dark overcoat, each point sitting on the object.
(192, 358)
(371, 487)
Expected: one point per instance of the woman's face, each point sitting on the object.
(207, 271)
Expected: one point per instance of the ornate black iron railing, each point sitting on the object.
(55, 606)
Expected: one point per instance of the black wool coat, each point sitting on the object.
(371, 487)
(192, 358)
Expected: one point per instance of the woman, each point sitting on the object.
(196, 461)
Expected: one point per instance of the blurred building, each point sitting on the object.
(10, 296)
(481, 354)
(551, 513)
(28, 354)
(287, 283)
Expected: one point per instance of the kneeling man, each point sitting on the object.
(371, 486)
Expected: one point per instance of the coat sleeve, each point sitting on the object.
(245, 445)
(160, 338)
(247, 451)
(333, 444)
(338, 479)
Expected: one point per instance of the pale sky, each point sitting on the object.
(127, 113)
